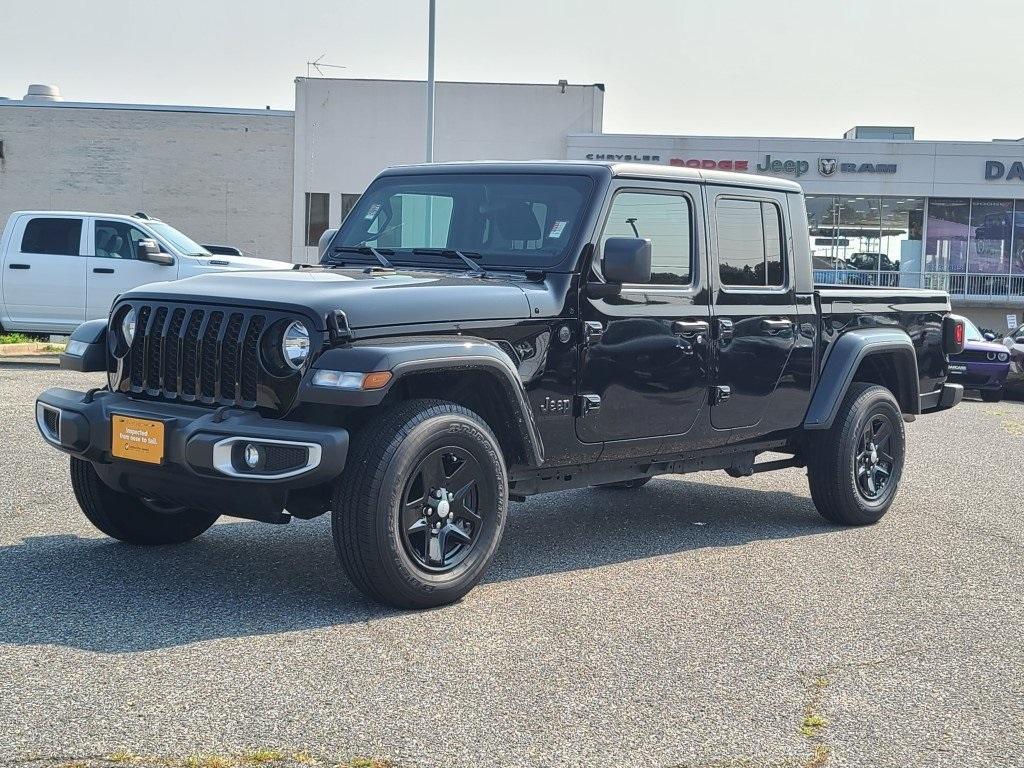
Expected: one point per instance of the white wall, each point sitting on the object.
(222, 177)
(347, 131)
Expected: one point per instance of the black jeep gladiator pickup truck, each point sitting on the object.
(479, 332)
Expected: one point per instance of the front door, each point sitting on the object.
(44, 275)
(114, 267)
(753, 303)
(646, 352)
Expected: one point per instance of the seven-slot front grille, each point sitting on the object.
(208, 355)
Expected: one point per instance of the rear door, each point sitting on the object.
(113, 266)
(44, 274)
(646, 353)
(753, 301)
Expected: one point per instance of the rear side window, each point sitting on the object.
(57, 237)
(749, 243)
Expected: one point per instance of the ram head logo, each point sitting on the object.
(827, 165)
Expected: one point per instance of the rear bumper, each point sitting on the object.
(201, 463)
(941, 399)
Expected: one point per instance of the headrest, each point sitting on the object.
(516, 222)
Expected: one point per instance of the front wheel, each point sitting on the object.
(991, 395)
(854, 467)
(133, 519)
(420, 508)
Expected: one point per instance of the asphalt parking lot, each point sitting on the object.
(700, 621)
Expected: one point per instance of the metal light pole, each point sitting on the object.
(430, 86)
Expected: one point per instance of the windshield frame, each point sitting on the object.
(402, 257)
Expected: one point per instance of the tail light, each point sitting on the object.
(954, 334)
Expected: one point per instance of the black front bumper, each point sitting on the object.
(199, 466)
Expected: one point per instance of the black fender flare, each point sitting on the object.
(845, 356)
(93, 358)
(405, 356)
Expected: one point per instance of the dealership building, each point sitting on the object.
(883, 207)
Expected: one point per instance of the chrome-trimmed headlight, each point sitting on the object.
(295, 345)
(1004, 356)
(128, 326)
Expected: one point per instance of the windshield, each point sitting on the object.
(512, 220)
(971, 331)
(181, 243)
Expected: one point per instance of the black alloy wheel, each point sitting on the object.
(874, 463)
(441, 518)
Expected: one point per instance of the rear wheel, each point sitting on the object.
(991, 395)
(420, 509)
(133, 519)
(854, 467)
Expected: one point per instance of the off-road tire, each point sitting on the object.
(366, 509)
(626, 485)
(991, 395)
(128, 518)
(832, 457)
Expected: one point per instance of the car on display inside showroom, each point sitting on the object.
(476, 333)
(983, 365)
(61, 268)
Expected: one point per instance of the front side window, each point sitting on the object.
(750, 240)
(57, 237)
(514, 220)
(117, 240)
(664, 219)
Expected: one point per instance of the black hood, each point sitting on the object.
(368, 300)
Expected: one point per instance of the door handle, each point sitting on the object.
(724, 330)
(776, 326)
(690, 327)
(19, 266)
(103, 270)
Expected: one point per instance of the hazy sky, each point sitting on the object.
(733, 67)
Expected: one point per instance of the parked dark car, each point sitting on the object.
(983, 365)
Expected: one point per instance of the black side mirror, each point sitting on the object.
(626, 260)
(989, 336)
(149, 250)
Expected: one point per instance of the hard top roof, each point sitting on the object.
(598, 168)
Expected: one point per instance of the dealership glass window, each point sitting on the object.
(991, 239)
(318, 211)
(665, 220)
(1017, 260)
(902, 225)
(56, 237)
(749, 242)
(948, 231)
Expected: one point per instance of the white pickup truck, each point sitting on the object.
(61, 268)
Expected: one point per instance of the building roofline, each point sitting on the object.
(599, 86)
(710, 137)
(147, 107)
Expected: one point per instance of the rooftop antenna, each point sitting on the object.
(319, 65)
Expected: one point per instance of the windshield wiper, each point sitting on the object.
(451, 253)
(367, 250)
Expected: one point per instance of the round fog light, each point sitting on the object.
(252, 456)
